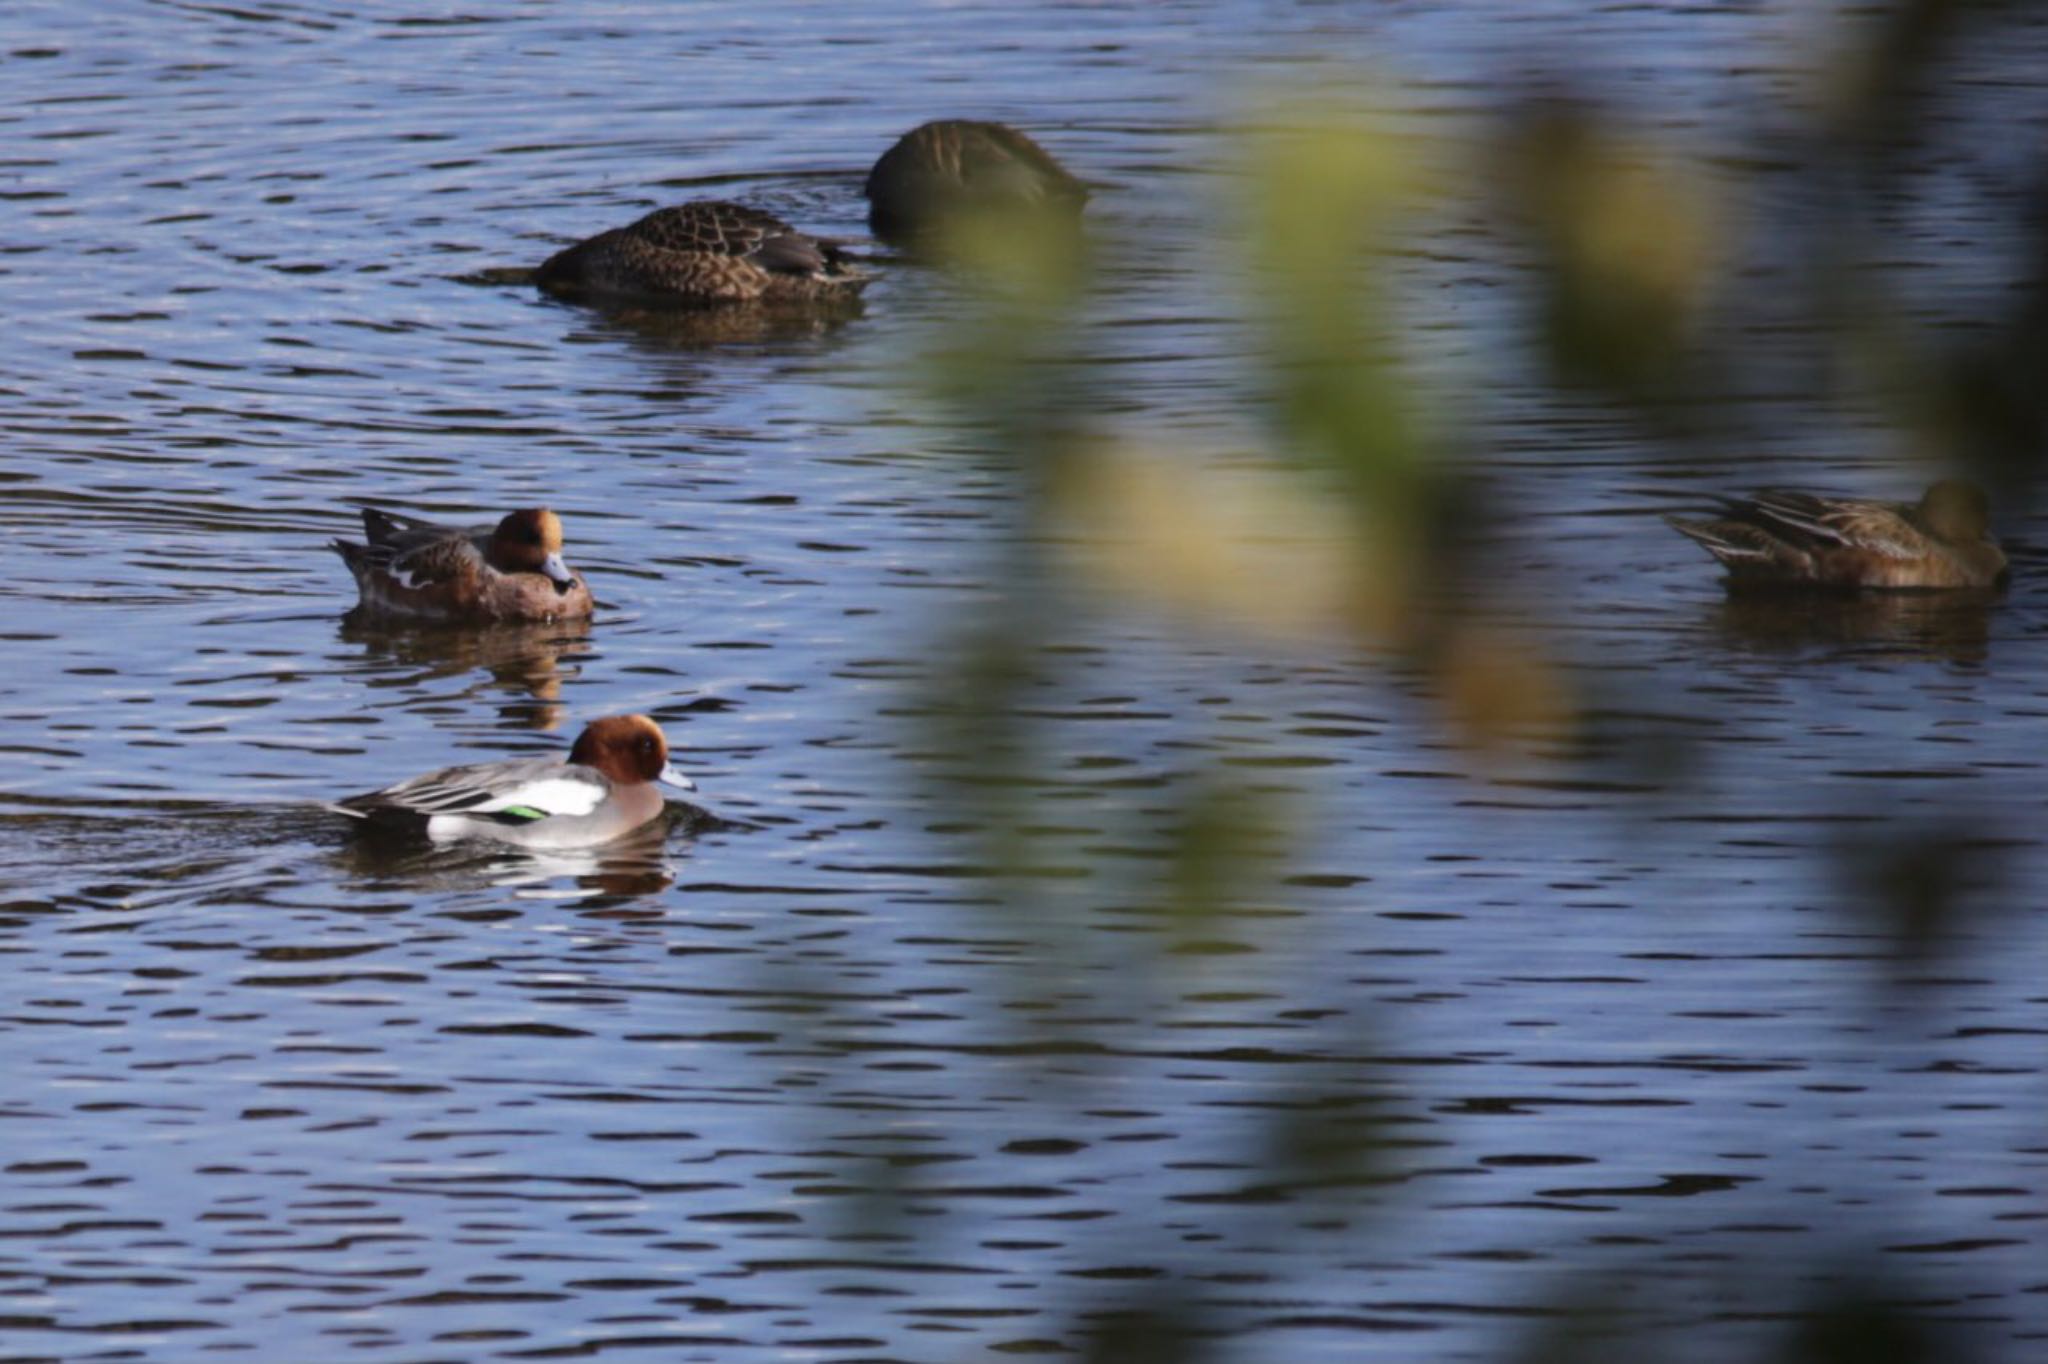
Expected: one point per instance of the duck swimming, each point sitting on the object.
(605, 790)
(709, 251)
(1791, 539)
(426, 571)
(954, 167)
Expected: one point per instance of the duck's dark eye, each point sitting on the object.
(532, 535)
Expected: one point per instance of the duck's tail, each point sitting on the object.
(353, 554)
(1734, 543)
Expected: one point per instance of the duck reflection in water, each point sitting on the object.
(1953, 627)
(688, 329)
(525, 658)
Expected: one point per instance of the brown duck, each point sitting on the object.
(709, 251)
(426, 571)
(1789, 539)
(955, 166)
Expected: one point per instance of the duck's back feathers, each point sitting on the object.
(414, 553)
(1817, 522)
(716, 227)
(705, 252)
(524, 789)
(398, 534)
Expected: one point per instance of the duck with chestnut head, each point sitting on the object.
(419, 570)
(605, 790)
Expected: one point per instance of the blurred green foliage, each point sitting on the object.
(1352, 532)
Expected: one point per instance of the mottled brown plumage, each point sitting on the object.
(706, 252)
(942, 170)
(511, 571)
(1780, 538)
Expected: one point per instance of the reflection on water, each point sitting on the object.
(525, 658)
(1945, 626)
(695, 326)
(732, 324)
(1450, 1043)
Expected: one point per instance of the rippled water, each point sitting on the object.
(787, 1081)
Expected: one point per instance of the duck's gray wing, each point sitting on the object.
(524, 790)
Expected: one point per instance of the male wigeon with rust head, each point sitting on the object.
(423, 571)
(604, 791)
(1788, 539)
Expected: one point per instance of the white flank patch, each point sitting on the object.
(556, 795)
(448, 828)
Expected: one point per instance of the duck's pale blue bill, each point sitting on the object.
(558, 572)
(674, 778)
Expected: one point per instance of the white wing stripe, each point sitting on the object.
(555, 795)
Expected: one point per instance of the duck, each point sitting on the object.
(1795, 539)
(705, 252)
(942, 169)
(604, 791)
(422, 570)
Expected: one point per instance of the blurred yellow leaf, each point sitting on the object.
(1499, 688)
(1256, 550)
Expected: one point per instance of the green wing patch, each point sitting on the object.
(518, 814)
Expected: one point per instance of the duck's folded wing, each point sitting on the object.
(717, 228)
(451, 557)
(517, 792)
(1801, 514)
(1732, 542)
(396, 528)
(394, 535)
(793, 253)
(1875, 527)
(711, 226)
